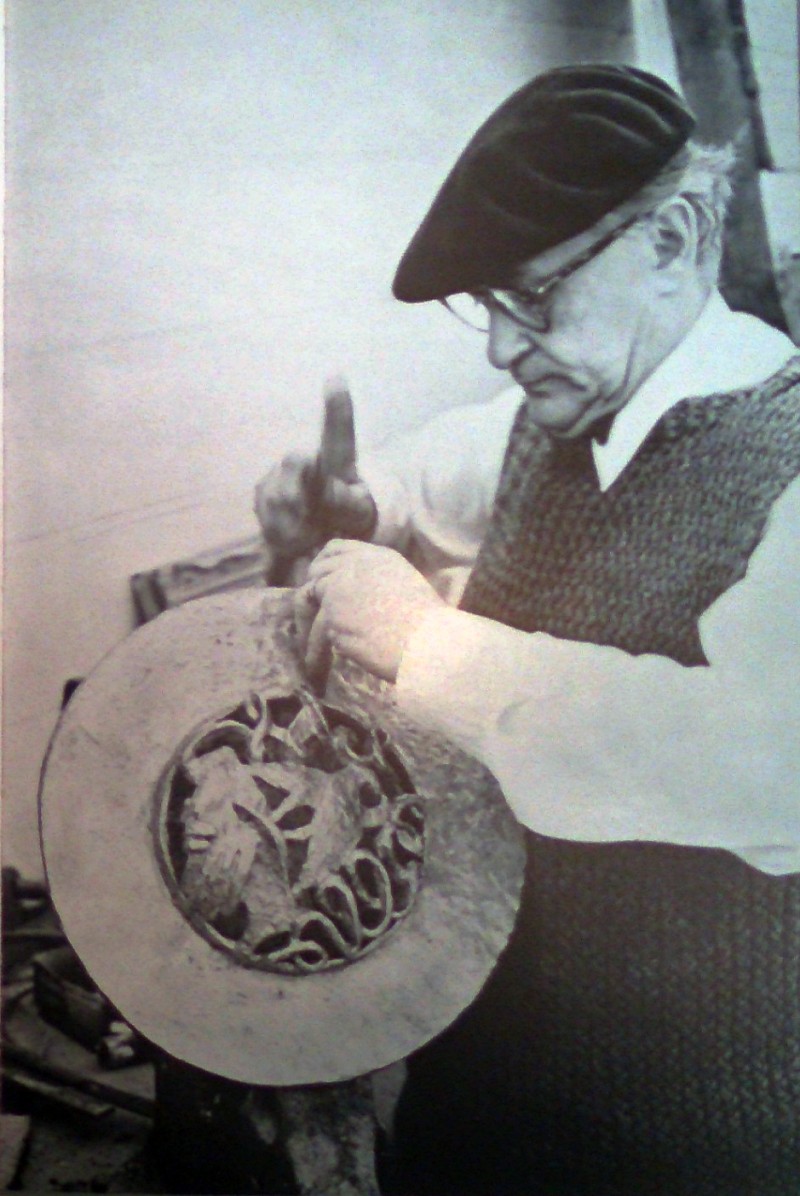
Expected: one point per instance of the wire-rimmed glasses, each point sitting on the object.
(528, 306)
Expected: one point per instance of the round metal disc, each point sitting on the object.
(106, 760)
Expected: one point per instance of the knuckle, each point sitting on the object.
(295, 464)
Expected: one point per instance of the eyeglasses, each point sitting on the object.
(529, 306)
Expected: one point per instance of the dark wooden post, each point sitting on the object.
(714, 64)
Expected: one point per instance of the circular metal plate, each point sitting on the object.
(109, 753)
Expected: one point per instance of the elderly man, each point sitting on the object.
(623, 656)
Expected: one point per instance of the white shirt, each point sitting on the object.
(586, 741)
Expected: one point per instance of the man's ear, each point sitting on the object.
(674, 234)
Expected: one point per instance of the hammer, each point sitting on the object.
(335, 461)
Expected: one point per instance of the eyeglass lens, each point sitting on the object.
(475, 310)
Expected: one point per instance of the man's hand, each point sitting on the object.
(363, 601)
(304, 501)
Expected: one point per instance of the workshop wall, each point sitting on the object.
(206, 202)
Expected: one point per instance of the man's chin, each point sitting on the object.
(565, 420)
(553, 417)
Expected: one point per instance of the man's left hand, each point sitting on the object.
(363, 601)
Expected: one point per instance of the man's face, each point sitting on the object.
(595, 353)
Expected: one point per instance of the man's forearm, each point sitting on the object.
(593, 744)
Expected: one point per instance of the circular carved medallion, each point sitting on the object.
(240, 866)
(289, 833)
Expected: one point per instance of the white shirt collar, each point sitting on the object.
(723, 350)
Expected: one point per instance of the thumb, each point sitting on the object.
(337, 452)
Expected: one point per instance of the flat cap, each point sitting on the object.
(560, 153)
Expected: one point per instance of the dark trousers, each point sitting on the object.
(641, 1034)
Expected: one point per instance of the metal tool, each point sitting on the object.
(336, 459)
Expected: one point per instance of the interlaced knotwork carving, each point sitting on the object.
(290, 833)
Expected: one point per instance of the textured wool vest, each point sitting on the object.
(641, 1034)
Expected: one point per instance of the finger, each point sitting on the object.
(337, 452)
(305, 608)
(285, 486)
(296, 480)
(319, 652)
(333, 555)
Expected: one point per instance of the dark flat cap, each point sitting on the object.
(555, 157)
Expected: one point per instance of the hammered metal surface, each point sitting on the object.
(115, 742)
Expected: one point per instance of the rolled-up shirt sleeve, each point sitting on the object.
(434, 488)
(591, 743)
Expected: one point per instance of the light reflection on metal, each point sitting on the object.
(289, 833)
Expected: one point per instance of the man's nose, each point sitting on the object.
(507, 339)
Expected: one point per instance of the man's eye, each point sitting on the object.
(530, 298)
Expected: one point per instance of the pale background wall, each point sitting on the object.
(206, 200)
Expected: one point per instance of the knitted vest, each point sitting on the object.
(641, 1033)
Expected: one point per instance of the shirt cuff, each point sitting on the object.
(391, 499)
